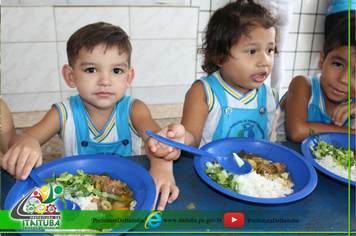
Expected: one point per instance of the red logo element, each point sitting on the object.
(234, 219)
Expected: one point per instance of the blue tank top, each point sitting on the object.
(122, 147)
(239, 122)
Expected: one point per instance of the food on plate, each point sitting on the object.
(94, 192)
(335, 160)
(267, 179)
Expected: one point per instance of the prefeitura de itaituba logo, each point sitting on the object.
(37, 209)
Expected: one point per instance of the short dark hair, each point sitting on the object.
(98, 33)
(225, 28)
(339, 35)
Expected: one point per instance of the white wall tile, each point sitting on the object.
(43, 2)
(297, 4)
(314, 60)
(309, 6)
(300, 72)
(163, 62)
(27, 24)
(10, 3)
(307, 24)
(70, 19)
(320, 23)
(216, 4)
(134, 2)
(318, 42)
(289, 60)
(154, 95)
(304, 42)
(163, 22)
(90, 2)
(322, 6)
(31, 101)
(29, 67)
(203, 5)
(291, 42)
(203, 20)
(302, 60)
(295, 23)
(287, 79)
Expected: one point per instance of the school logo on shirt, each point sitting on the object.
(246, 128)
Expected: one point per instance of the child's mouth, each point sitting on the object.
(104, 94)
(259, 77)
(338, 92)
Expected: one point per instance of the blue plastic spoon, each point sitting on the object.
(58, 203)
(228, 163)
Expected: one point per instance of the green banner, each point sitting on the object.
(154, 220)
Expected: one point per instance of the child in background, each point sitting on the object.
(7, 127)
(101, 119)
(239, 48)
(321, 103)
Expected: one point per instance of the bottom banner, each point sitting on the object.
(152, 220)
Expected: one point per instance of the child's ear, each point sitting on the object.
(321, 60)
(67, 73)
(130, 76)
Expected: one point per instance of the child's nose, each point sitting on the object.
(264, 60)
(344, 78)
(104, 79)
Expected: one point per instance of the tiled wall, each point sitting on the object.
(34, 39)
(165, 35)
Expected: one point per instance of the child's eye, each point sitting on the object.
(251, 51)
(90, 70)
(270, 50)
(117, 71)
(337, 64)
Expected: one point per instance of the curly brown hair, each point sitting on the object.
(225, 28)
(98, 33)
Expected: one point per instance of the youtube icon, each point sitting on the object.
(234, 219)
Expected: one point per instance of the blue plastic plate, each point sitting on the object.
(137, 178)
(301, 171)
(336, 139)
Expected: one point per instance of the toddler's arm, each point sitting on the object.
(7, 127)
(161, 170)
(25, 149)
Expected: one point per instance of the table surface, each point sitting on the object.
(325, 209)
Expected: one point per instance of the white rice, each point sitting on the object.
(85, 203)
(328, 163)
(267, 186)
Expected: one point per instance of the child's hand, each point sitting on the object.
(24, 155)
(165, 184)
(175, 132)
(341, 114)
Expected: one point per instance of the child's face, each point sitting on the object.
(334, 75)
(101, 77)
(251, 60)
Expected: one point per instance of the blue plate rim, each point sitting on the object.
(287, 199)
(151, 187)
(305, 151)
